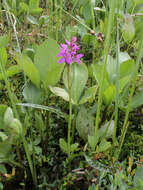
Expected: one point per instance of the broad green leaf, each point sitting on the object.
(126, 68)
(71, 31)
(63, 145)
(31, 94)
(93, 140)
(3, 56)
(104, 146)
(111, 69)
(5, 150)
(107, 130)
(60, 92)
(2, 112)
(137, 100)
(32, 19)
(38, 150)
(123, 56)
(33, 4)
(78, 78)
(1, 185)
(34, 7)
(4, 40)
(88, 94)
(87, 11)
(36, 11)
(109, 94)
(8, 116)
(88, 39)
(84, 123)
(138, 2)
(29, 68)
(128, 29)
(24, 7)
(3, 136)
(73, 147)
(3, 170)
(16, 126)
(39, 122)
(46, 62)
(13, 70)
(123, 82)
(138, 178)
(97, 73)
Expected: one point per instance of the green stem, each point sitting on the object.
(3, 71)
(59, 20)
(29, 160)
(70, 111)
(15, 163)
(93, 25)
(87, 27)
(74, 122)
(16, 114)
(74, 5)
(105, 54)
(51, 17)
(11, 97)
(133, 78)
(117, 85)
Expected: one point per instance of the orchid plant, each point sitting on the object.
(68, 54)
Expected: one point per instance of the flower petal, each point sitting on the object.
(79, 55)
(67, 42)
(61, 60)
(74, 39)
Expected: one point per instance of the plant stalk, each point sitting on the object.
(105, 56)
(133, 80)
(70, 110)
(117, 84)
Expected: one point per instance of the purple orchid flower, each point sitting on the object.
(68, 52)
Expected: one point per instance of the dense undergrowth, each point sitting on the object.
(71, 94)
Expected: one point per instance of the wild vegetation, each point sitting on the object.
(71, 94)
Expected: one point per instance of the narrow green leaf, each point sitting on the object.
(50, 109)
